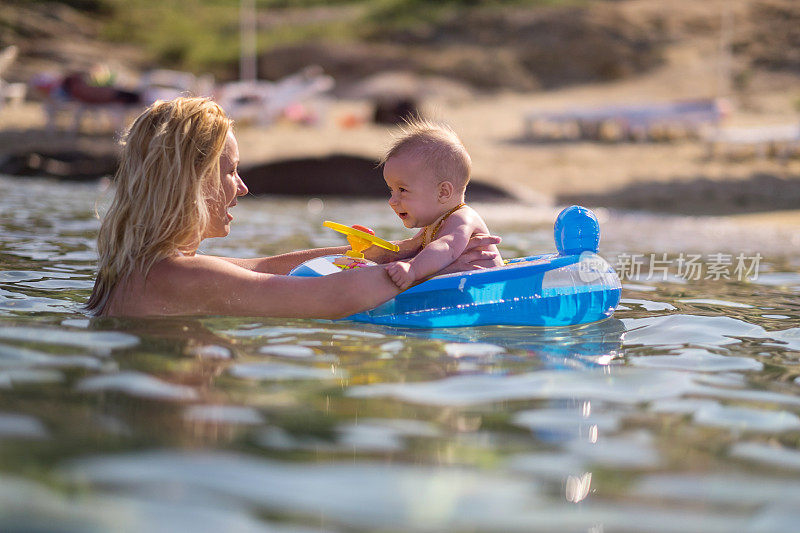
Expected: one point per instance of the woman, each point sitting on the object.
(177, 180)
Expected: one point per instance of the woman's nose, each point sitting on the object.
(241, 189)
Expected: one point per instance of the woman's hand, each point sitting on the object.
(479, 253)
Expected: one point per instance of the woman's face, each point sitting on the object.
(231, 186)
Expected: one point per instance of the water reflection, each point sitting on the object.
(681, 414)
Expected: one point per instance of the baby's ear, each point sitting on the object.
(446, 190)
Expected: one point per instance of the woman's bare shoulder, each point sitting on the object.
(194, 265)
(176, 285)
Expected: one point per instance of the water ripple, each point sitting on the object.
(99, 342)
(679, 415)
(697, 360)
(136, 384)
(264, 371)
(624, 385)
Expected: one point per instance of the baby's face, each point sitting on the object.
(414, 191)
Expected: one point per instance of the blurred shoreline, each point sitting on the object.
(678, 175)
(669, 177)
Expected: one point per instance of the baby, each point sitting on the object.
(427, 171)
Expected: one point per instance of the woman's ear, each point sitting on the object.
(446, 190)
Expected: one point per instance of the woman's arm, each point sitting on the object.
(283, 263)
(408, 248)
(203, 285)
(206, 285)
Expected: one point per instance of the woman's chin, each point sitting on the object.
(218, 232)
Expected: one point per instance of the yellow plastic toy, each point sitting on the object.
(360, 238)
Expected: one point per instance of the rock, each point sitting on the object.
(71, 165)
(700, 196)
(338, 175)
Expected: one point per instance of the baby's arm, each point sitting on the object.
(448, 246)
(401, 274)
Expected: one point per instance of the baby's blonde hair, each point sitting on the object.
(168, 171)
(438, 146)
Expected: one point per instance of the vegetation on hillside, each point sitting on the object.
(204, 34)
(489, 44)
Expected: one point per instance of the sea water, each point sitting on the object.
(681, 413)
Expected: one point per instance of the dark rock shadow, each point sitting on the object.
(66, 165)
(35, 152)
(595, 137)
(700, 196)
(339, 175)
(82, 158)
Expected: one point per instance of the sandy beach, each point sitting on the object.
(676, 176)
(618, 174)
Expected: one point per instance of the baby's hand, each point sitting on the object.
(401, 273)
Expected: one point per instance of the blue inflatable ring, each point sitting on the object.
(572, 286)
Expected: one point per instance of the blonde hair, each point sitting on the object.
(438, 146)
(168, 171)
